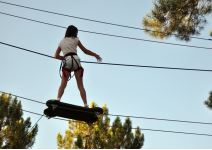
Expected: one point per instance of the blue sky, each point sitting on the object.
(129, 91)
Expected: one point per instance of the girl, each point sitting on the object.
(71, 62)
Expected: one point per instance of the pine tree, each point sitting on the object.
(117, 135)
(14, 129)
(101, 135)
(183, 18)
(138, 140)
(208, 102)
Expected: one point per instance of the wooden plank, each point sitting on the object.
(60, 109)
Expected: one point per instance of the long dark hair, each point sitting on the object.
(71, 31)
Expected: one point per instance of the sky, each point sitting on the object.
(171, 94)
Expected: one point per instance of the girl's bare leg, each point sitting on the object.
(63, 84)
(79, 79)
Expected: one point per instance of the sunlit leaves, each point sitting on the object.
(208, 102)
(14, 129)
(101, 134)
(182, 18)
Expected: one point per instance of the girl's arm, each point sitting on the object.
(88, 52)
(57, 54)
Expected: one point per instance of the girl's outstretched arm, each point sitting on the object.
(88, 52)
(57, 54)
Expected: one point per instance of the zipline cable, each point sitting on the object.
(113, 64)
(92, 20)
(110, 35)
(36, 123)
(28, 99)
(128, 116)
(161, 119)
(153, 130)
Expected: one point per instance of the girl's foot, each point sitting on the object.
(86, 105)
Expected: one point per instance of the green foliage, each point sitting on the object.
(208, 102)
(183, 18)
(13, 128)
(101, 135)
(211, 33)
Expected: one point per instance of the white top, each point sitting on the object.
(69, 45)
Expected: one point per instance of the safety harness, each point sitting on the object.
(64, 66)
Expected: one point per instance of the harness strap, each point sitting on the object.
(76, 62)
(63, 63)
(70, 54)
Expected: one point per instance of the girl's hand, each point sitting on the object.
(99, 59)
(57, 54)
(60, 57)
